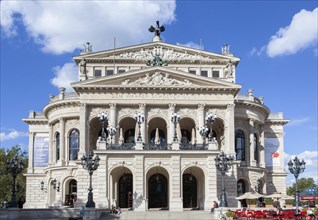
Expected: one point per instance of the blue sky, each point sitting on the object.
(275, 40)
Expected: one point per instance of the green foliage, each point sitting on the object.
(303, 183)
(268, 201)
(6, 180)
(229, 213)
(289, 201)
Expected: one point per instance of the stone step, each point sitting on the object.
(159, 215)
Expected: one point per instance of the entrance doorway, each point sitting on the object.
(125, 191)
(158, 192)
(189, 191)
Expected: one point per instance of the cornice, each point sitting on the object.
(33, 121)
(251, 104)
(60, 104)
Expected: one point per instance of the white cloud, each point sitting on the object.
(65, 75)
(300, 34)
(299, 121)
(192, 45)
(62, 26)
(12, 134)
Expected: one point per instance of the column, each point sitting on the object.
(172, 108)
(262, 148)
(175, 200)
(84, 147)
(51, 151)
(211, 183)
(142, 109)
(31, 152)
(139, 194)
(251, 150)
(230, 146)
(201, 121)
(62, 141)
(112, 119)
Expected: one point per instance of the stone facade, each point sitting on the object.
(172, 166)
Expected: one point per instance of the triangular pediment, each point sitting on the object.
(156, 78)
(168, 52)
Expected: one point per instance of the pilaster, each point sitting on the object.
(62, 142)
(84, 147)
(172, 108)
(139, 194)
(200, 115)
(142, 109)
(210, 183)
(230, 128)
(51, 151)
(251, 151)
(31, 152)
(175, 195)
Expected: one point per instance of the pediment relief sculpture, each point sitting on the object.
(156, 79)
(164, 53)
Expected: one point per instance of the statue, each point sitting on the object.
(157, 29)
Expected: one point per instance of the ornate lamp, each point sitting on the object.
(175, 118)
(296, 167)
(111, 131)
(210, 118)
(140, 118)
(90, 165)
(203, 132)
(103, 117)
(14, 166)
(223, 163)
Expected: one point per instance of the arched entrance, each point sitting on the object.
(189, 191)
(125, 191)
(158, 191)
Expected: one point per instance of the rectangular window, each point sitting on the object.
(121, 71)
(97, 73)
(215, 74)
(192, 71)
(109, 72)
(204, 73)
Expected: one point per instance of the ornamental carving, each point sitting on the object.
(125, 112)
(156, 79)
(155, 112)
(72, 123)
(165, 53)
(95, 111)
(190, 113)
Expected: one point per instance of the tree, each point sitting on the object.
(6, 180)
(303, 183)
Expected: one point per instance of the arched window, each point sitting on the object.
(240, 145)
(57, 145)
(241, 189)
(74, 144)
(256, 153)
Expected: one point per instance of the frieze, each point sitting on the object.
(165, 53)
(156, 79)
(156, 96)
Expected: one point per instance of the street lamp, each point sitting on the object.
(140, 118)
(175, 118)
(14, 166)
(203, 132)
(223, 163)
(111, 131)
(90, 165)
(296, 167)
(210, 118)
(103, 117)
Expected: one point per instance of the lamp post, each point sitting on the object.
(90, 165)
(223, 163)
(14, 166)
(111, 131)
(296, 167)
(203, 132)
(210, 118)
(175, 118)
(140, 118)
(103, 117)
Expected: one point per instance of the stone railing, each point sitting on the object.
(63, 96)
(157, 147)
(243, 97)
(193, 147)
